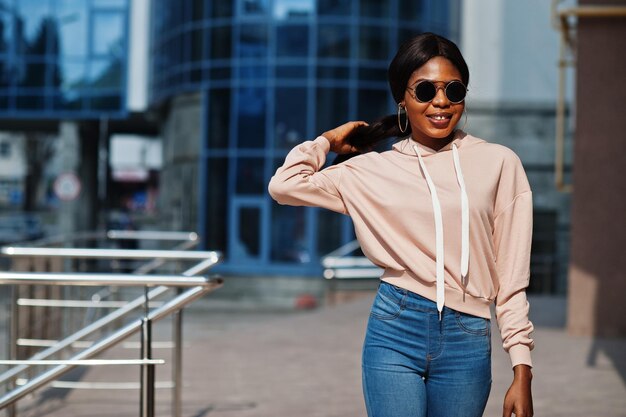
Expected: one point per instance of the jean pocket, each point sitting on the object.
(385, 308)
(473, 324)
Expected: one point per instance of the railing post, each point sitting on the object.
(146, 408)
(177, 362)
(12, 341)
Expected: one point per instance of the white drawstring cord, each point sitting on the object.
(439, 225)
(438, 232)
(464, 216)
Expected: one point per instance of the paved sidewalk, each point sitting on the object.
(307, 364)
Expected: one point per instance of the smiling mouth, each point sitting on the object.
(440, 117)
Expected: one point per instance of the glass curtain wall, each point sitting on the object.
(63, 58)
(274, 73)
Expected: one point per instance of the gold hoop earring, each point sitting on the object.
(406, 122)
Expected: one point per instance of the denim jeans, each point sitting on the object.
(417, 366)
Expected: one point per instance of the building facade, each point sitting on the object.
(240, 82)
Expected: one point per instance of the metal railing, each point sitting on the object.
(155, 258)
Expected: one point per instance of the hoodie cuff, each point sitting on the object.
(323, 143)
(520, 354)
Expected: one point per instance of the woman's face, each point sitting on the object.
(434, 120)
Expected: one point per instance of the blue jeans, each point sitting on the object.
(417, 366)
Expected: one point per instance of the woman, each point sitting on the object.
(448, 217)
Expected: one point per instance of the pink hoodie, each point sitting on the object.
(453, 225)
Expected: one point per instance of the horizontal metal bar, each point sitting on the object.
(347, 262)
(85, 362)
(151, 235)
(84, 253)
(353, 273)
(31, 302)
(81, 279)
(104, 321)
(86, 343)
(177, 303)
(344, 249)
(100, 385)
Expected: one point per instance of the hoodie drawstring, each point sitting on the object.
(439, 225)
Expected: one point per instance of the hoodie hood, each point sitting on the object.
(461, 139)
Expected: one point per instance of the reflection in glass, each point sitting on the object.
(333, 72)
(108, 33)
(251, 122)
(333, 41)
(72, 20)
(289, 240)
(373, 74)
(376, 8)
(292, 40)
(197, 45)
(111, 102)
(290, 118)
(253, 7)
(332, 108)
(329, 236)
(413, 10)
(291, 71)
(105, 74)
(333, 7)
(221, 8)
(285, 9)
(218, 118)
(373, 43)
(249, 227)
(250, 177)
(197, 10)
(31, 14)
(373, 104)
(215, 236)
(253, 41)
(220, 42)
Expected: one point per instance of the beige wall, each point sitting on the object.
(597, 272)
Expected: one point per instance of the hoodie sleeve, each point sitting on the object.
(299, 181)
(512, 240)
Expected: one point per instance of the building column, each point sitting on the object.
(597, 282)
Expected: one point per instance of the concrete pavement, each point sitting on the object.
(307, 364)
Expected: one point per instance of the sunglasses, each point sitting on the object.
(425, 91)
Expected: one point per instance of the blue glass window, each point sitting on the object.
(251, 105)
(221, 42)
(108, 31)
(290, 117)
(72, 20)
(334, 7)
(374, 43)
(373, 104)
(333, 41)
(412, 10)
(332, 108)
(253, 7)
(32, 14)
(218, 118)
(292, 40)
(286, 9)
(250, 178)
(253, 41)
(376, 8)
(289, 237)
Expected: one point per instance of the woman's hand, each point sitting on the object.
(518, 399)
(337, 137)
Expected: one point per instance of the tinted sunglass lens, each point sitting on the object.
(425, 91)
(456, 91)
